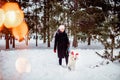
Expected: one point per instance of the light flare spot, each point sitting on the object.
(22, 65)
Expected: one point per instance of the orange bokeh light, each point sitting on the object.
(13, 15)
(21, 31)
(11, 6)
(2, 17)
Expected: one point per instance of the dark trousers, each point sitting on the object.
(66, 60)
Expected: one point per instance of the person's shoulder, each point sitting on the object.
(57, 33)
(65, 33)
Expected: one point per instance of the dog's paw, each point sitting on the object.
(69, 68)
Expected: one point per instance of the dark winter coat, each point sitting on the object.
(61, 44)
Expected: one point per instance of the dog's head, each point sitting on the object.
(74, 55)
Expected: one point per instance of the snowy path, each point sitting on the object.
(44, 66)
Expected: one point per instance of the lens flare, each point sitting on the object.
(21, 31)
(13, 15)
(22, 65)
(2, 17)
(11, 6)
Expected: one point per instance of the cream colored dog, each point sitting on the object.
(72, 60)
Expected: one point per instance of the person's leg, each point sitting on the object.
(60, 61)
(66, 59)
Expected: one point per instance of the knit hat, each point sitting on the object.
(61, 27)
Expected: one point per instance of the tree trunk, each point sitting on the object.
(68, 24)
(48, 33)
(75, 43)
(26, 39)
(44, 36)
(13, 42)
(7, 41)
(36, 28)
(36, 37)
(89, 40)
(44, 23)
(112, 47)
(10, 39)
(111, 56)
(48, 27)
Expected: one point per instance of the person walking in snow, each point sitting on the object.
(61, 44)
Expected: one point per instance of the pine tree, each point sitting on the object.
(109, 32)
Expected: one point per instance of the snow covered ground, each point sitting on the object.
(43, 63)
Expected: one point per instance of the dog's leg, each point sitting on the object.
(69, 68)
(73, 67)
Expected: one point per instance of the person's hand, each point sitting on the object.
(54, 51)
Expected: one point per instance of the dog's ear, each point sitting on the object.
(77, 53)
(72, 53)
